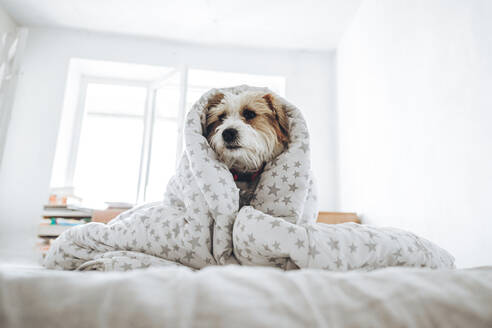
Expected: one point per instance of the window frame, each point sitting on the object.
(148, 121)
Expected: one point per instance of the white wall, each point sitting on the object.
(8, 34)
(415, 121)
(30, 148)
(7, 24)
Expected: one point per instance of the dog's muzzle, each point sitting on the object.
(229, 135)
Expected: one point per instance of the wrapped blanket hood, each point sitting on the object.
(199, 222)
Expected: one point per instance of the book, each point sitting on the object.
(81, 208)
(119, 205)
(51, 230)
(63, 211)
(58, 213)
(64, 221)
(55, 206)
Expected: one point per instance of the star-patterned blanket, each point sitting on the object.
(199, 221)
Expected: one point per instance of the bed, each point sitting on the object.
(192, 242)
(236, 296)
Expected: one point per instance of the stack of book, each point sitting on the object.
(56, 219)
(65, 211)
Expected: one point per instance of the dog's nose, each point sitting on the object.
(229, 135)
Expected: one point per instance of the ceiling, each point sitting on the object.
(286, 24)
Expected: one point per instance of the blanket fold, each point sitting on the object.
(199, 222)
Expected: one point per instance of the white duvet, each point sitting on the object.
(199, 222)
(239, 296)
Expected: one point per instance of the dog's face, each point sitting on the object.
(246, 130)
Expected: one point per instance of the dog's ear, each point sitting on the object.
(211, 120)
(214, 100)
(278, 110)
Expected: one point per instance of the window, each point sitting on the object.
(165, 135)
(110, 145)
(126, 136)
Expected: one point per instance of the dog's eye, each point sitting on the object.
(222, 117)
(249, 114)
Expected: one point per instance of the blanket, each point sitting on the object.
(199, 221)
(241, 296)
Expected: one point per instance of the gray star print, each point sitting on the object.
(176, 230)
(194, 242)
(371, 246)
(333, 244)
(165, 250)
(304, 147)
(216, 212)
(293, 187)
(338, 263)
(300, 243)
(204, 145)
(126, 266)
(260, 217)
(312, 251)
(198, 227)
(353, 248)
(189, 255)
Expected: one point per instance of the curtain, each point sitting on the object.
(10, 47)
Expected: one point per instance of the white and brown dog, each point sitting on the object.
(246, 131)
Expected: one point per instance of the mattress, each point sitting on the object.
(236, 296)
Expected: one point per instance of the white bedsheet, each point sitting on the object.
(235, 296)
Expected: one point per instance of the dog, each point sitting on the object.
(246, 131)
